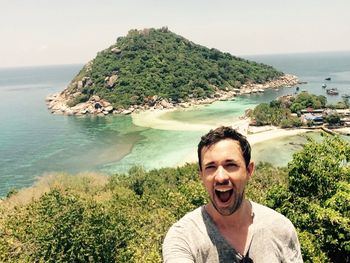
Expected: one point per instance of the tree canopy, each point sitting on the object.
(316, 199)
(158, 62)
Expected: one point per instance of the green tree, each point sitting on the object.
(333, 119)
(304, 100)
(317, 198)
(262, 114)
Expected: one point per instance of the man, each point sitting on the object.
(230, 228)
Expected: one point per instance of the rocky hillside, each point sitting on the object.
(155, 67)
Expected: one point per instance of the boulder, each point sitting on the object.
(76, 94)
(116, 50)
(89, 83)
(80, 84)
(109, 108)
(95, 98)
(105, 103)
(165, 104)
(126, 112)
(111, 81)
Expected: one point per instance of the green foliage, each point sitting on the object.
(290, 122)
(122, 220)
(274, 114)
(341, 105)
(159, 62)
(306, 100)
(278, 112)
(333, 119)
(265, 178)
(11, 192)
(317, 198)
(79, 99)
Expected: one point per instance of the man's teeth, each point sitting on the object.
(223, 190)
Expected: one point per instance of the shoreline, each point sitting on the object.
(255, 138)
(255, 135)
(57, 103)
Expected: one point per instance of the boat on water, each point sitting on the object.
(329, 78)
(332, 91)
(346, 96)
(324, 85)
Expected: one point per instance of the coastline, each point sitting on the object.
(253, 139)
(58, 103)
(153, 119)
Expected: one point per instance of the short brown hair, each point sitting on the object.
(222, 133)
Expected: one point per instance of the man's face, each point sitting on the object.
(225, 175)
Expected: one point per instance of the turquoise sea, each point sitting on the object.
(34, 142)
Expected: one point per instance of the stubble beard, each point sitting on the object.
(238, 199)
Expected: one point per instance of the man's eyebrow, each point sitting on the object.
(210, 163)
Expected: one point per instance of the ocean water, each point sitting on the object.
(34, 142)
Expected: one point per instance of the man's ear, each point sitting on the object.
(250, 169)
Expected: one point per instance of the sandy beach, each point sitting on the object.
(153, 119)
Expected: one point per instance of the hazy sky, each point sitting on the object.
(46, 32)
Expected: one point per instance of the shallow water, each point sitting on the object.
(34, 142)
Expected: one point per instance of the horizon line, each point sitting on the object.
(242, 56)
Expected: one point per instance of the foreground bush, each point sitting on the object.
(317, 200)
(124, 218)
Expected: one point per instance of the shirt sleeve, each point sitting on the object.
(175, 247)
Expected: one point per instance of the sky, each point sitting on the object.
(51, 32)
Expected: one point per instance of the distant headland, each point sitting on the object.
(157, 69)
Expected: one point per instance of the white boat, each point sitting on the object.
(332, 91)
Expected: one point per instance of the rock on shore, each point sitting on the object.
(58, 103)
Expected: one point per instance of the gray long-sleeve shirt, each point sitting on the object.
(195, 238)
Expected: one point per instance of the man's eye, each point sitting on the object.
(209, 167)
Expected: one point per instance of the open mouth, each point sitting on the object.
(224, 194)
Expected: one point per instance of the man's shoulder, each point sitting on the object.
(185, 237)
(269, 219)
(264, 212)
(192, 218)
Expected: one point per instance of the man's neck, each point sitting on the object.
(235, 228)
(240, 218)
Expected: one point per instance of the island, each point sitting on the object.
(158, 69)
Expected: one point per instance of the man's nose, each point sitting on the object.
(221, 176)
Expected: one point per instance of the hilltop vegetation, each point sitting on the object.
(124, 218)
(279, 111)
(158, 62)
